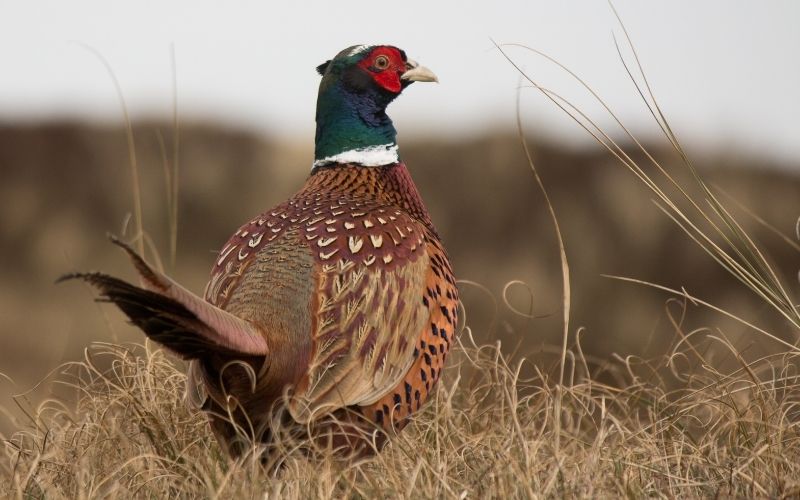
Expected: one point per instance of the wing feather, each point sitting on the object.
(368, 321)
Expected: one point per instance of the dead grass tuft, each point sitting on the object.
(676, 426)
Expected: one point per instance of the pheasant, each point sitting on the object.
(338, 306)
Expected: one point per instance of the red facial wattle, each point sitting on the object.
(388, 78)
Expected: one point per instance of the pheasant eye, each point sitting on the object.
(381, 62)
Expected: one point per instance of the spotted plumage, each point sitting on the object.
(341, 299)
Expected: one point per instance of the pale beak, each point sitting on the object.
(416, 73)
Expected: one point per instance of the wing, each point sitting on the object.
(372, 267)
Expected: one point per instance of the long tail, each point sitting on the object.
(173, 316)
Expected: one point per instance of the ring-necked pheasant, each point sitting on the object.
(341, 299)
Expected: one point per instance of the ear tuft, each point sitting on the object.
(323, 67)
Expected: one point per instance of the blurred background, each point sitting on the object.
(241, 82)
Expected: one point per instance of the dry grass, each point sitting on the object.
(670, 427)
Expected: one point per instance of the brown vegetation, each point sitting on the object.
(715, 415)
(65, 186)
(489, 431)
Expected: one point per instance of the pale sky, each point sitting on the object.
(725, 72)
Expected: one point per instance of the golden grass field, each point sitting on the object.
(489, 432)
(681, 381)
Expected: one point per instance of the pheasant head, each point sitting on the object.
(357, 86)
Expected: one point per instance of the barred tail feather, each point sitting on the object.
(173, 316)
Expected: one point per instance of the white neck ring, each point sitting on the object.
(371, 156)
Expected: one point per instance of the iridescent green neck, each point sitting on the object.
(352, 127)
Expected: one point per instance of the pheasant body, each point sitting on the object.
(379, 269)
(341, 300)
